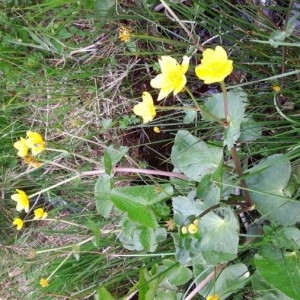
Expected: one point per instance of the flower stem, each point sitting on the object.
(225, 101)
(176, 107)
(204, 112)
(239, 171)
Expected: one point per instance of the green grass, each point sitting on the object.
(55, 79)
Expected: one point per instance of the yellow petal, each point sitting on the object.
(157, 81)
(215, 66)
(192, 228)
(156, 129)
(22, 200)
(185, 64)
(39, 213)
(35, 142)
(21, 147)
(145, 109)
(167, 63)
(212, 297)
(19, 223)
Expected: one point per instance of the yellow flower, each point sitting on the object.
(44, 282)
(276, 88)
(21, 199)
(212, 297)
(192, 228)
(184, 230)
(156, 129)
(39, 213)
(19, 223)
(214, 66)
(172, 77)
(35, 142)
(145, 109)
(124, 34)
(21, 147)
(31, 161)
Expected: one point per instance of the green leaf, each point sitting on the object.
(231, 279)
(208, 191)
(287, 238)
(104, 294)
(237, 102)
(265, 291)
(104, 7)
(115, 154)
(188, 249)
(250, 130)
(220, 235)
(137, 201)
(107, 162)
(177, 274)
(270, 178)
(193, 157)
(184, 207)
(280, 269)
(104, 204)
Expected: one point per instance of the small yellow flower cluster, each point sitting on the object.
(23, 203)
(214, 67)
(44, 282)
(34, 143)
(124, 34)
(191, 228)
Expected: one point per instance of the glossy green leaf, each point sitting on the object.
(184, 207)
(104, 204)
(250, 130)
(136, 237)
(237, 102)
(265, 291)
(280, 269)
(230, 280)
(220, 235)
(270, 178)
(177, 274)
(137, 201)
(194, 157)
(188, 249)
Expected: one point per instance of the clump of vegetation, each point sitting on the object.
(149, 150)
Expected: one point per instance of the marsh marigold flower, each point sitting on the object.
(184, 230)
(21, 147)
(21, 199)
(145, 109)
(172, 77)
(215, 66)
(44, 282)
(212, 297)
(19, 223)
(39, 213)
(35, 142)
(192, 228)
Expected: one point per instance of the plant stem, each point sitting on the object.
(204, 112)
(239, 171)
(225, 101)
(117, 169)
